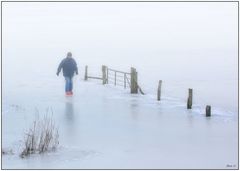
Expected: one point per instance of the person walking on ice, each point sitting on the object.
(69, 66)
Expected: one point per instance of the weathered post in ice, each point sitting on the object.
(125, 80)
(134, 83)
(159, 90)
(104, 74)
(86, 73)
(189, 101)
(208, 111)
(107, 76)
(115, 78)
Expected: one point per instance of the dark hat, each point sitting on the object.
(69, 54)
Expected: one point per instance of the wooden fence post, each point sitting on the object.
(115, 80)
(107, 76)
(134, 84)
(125, 80)
(208, 110)
(104, 75)
(159, 90)
(189, 101)
(86, 73)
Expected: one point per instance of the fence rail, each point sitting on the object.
(113, 76)
(109, 69)
(118, 76)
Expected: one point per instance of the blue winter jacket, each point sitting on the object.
(69, 66)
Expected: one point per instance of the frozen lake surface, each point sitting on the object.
(105, 127)
(186, 45)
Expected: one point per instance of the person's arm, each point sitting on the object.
(60, 67)
(75, 67)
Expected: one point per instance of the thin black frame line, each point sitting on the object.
(1, 85)
(121, 1)
(124, 1)
(238, 85)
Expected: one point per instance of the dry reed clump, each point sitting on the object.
(7, 151)
(41, 137)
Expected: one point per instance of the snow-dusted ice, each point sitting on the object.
(106, 127)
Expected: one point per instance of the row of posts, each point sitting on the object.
(134, 86)
(189, 100)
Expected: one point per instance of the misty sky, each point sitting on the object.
(202, 25)
(129, 29)
(197, 36)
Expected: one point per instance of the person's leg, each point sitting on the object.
(67, 85)
(70, 85)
